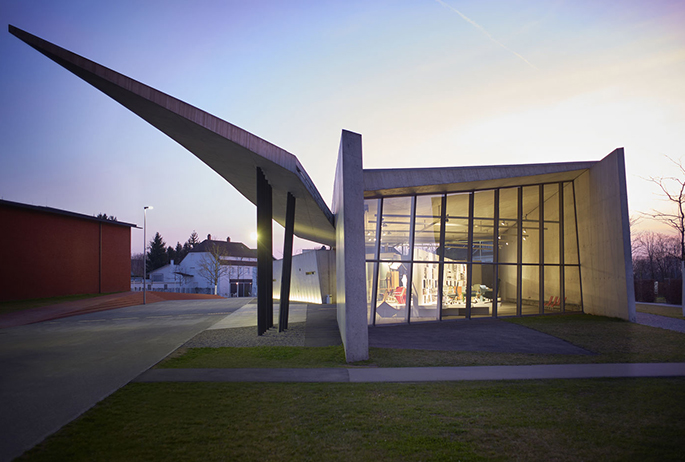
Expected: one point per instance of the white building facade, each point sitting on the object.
(238, 274)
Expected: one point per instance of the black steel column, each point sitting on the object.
(541, 259)
(441, 253)
(495, 257)
(286, 271)
(264, 255)
(469, 260)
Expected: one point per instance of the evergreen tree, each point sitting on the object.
(157, 255)
(103, 216)
(170, 254)
(180, 253)
(193, 240)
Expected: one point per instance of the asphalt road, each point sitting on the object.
(52, 372)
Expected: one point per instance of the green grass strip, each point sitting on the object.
(260, 357)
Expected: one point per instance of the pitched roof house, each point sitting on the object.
(238, 276)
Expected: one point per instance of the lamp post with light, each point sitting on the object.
(145, 250)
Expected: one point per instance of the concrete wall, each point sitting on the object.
(348, 208)
(604, 239)
(50, 255)
(313, 277)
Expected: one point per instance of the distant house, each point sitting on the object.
(239, 278)
(49, 252)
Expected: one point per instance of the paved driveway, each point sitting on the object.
(52, 372)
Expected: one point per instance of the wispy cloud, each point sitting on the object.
(487, 34)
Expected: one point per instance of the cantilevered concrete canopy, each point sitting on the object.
(232, 152)
(409, 181)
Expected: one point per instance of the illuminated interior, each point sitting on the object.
(497, 252)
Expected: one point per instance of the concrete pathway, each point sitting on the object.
(51, 372)
(247, 316)
(91, 305)
(664, 322)
(417, 374)
(493, 335)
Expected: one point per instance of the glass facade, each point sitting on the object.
(487, 253)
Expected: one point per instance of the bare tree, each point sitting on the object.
(137, 264)
(654, 255)
(210, 267)
(673, 190)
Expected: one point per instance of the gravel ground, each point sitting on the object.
(664, 322)
(247, 337)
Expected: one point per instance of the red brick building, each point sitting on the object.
(46, 252)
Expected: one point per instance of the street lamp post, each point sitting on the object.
(145, 250)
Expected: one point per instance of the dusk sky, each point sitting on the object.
(427, 83)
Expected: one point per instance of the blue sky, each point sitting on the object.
(427, 83)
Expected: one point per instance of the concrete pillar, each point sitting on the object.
(606, 263)
(348, 208)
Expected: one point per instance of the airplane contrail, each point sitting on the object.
(482, 29)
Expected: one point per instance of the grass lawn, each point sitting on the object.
(672, 311)
(20, 305)
(611, 339)
(564, 420)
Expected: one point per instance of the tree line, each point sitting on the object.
(159, 254)
(657, 267)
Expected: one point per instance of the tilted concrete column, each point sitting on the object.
(348, 208)
(265, 302)
(286, 270)
(606, 263)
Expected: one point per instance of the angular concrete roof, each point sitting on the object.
(400, 182)
(232, 152)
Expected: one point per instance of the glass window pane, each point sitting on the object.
(508, 204)
(530, 289)
(552, 290)
(424, 298)
(483, 236)
(427, 228)
(508, 241)
(395, 228)
(454, 291)
(391, 300)
(570, 238)
(531, 202)
(482, 287)
(506, 292)
(456, 239)
(370, 274)
(458, 205)
(530, 244)
(484, 204)
(551, 201)
(370, 221)
(551, 250)
(572, 288)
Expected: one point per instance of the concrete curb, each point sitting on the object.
(418, 374)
